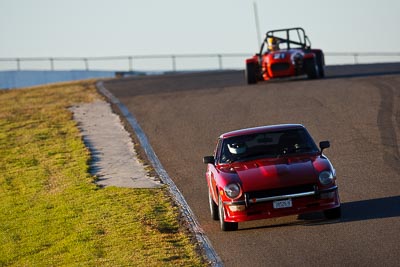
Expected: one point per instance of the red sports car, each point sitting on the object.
(269, 171)
(285, 53)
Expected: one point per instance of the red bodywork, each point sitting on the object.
(283, 63)
(265, 180)
(296, 58)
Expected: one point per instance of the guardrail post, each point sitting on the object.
(86, 63)
(51, 63)
(355, 58)
(220, 61)
(18, 64)
(130, 59)
(173, 63)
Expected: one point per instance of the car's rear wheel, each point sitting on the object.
(225, 226)
(213, 207)
(334, 213)
(251, 73)
(311, 68)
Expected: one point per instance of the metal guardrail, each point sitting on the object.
(356, 56)
(130, 60)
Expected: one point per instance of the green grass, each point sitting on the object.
(51, 212)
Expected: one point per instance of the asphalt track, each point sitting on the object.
(356, 107)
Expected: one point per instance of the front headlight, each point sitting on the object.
(232, 191)
(326, 177)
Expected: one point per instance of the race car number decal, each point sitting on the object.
(279, 56)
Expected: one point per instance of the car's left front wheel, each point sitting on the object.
(251, 73)
(311, 68)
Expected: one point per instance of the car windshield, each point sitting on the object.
(266, 145)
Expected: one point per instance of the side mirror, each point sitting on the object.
(208, 159)
(323, 145)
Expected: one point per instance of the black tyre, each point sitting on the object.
(251, 73)
(311, 68)
(213, 208)
(321, 63)
(335, 213)
(225, 226)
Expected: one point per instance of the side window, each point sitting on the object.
(225, 155)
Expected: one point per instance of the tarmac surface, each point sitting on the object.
(356, 107)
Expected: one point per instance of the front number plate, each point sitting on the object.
(280, 204)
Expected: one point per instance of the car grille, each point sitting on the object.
(281, 191)
(280, 66)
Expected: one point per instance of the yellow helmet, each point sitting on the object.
(273, 43)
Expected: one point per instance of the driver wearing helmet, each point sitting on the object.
(273, 43)
(237, 148)
(233, 151)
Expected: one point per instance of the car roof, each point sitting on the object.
(261, 129)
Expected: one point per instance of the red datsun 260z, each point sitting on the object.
(285, 53)
(270, 171)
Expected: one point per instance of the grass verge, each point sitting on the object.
(51, 212)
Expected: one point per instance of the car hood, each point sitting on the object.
(284, 55)
(286, 51)
(276, 173)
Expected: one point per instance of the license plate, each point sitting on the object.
(281, 204)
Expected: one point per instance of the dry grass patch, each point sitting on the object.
(51, 212)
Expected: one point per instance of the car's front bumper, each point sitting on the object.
(262, 208)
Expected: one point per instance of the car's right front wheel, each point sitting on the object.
(225, 226)
(213, 207)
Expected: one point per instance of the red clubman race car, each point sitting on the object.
(285, 53)
(270, 171)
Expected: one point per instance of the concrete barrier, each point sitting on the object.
(17, 79)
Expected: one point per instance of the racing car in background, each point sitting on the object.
(285, 53)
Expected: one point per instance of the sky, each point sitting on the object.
(94, 28)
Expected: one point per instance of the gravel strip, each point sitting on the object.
(114, 160)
